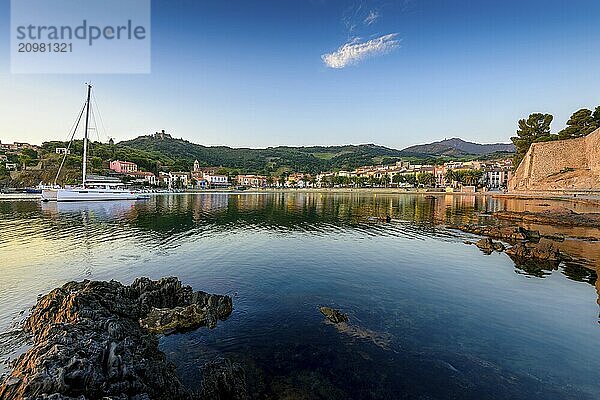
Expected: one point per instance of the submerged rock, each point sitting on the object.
(487, 245)
(509, 233)
(90, 341)
(557, 237)
(223, 380)
(552, 217)
(335, 316)
(540, 252)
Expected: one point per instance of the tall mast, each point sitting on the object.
(85, 136)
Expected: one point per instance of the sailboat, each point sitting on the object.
(93, 187)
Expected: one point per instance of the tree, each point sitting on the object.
(536, 128)
(31, 153)
(24, 161)
(472, 176)
(3, 172)
(596, 115)
(411, 179)
(582, 123)
(426, 178)
(398, 178)
(450, 176)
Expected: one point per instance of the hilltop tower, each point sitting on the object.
(162, 135)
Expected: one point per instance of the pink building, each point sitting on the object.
(123, 167)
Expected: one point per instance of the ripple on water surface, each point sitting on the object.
(430, 317)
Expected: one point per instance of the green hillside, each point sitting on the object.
(312, 159)
(154, 153)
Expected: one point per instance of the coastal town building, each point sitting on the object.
(255, 181)
(494, 174)
(123, 167)
(17, 146)
(216, 180)
(165, 179)
(62, 150)
(298, 180)
(497, 178)
(143, 177)
(181, 179)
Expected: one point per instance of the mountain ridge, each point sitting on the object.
(307, 158)
(458, 146)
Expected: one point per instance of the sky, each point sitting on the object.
(327, 72)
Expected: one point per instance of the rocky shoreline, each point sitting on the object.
(527, 245)
(552, 217)
(96, 339)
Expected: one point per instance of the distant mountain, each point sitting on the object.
(456, 147)
(310, 159)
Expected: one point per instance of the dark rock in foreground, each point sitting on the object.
(223, 379)
(95, 339)
(335, 316)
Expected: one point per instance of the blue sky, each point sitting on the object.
(251, 73)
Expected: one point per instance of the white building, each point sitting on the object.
(145, 177)
(215, 180)
(180, 179)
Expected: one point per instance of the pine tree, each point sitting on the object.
(536, 128)
(582, 123)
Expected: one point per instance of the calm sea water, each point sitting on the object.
(430, 316)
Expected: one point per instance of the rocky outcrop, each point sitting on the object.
(488, 246)
(335, 316)
(509, 233)
(566, 217)
(527, 247)
(539, 252)
(96, 339)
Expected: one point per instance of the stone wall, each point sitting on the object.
(593, 150)
(560, 165)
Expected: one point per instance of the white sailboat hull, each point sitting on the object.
(85, 194)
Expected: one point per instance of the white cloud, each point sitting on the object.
(372, 17)
(355, 50)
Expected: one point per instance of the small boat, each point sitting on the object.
(93, 188)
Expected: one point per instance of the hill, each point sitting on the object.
(162, 152)
(457, 147)
(311, 159)
(268, 160)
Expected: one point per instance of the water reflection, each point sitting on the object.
(430, 316)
